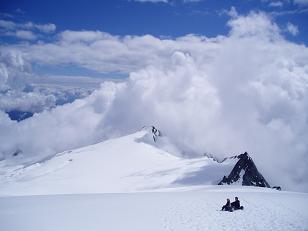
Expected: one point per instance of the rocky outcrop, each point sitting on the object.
(246, 173)
(277, 188)
(155, 132)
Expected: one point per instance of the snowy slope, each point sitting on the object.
(167, 192)
(125, 164)
(265, 209)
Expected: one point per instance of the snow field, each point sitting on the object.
(129, 183)
(166, 211)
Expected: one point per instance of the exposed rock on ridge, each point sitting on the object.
(245, 171)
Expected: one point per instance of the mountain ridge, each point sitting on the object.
(135, 162)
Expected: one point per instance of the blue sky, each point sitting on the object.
(177, 18)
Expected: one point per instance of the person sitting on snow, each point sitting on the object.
(236, 204)
(227, 206)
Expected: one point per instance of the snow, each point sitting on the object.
(189, 210)
(134, 183)
(125, 164)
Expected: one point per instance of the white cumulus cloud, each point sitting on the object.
(28, 31)
(276, 4)
(24, 34)
(292, 29)
(45, 28)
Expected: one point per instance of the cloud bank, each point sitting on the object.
(25, 31)
(247, 91)
(21, 90)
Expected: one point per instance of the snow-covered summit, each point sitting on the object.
(154, 136)
(152, 133)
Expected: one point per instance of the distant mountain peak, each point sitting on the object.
(245, 171)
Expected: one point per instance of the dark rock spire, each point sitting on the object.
(246, 169)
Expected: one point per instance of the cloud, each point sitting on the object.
(282, 3)
(26, 102)
(20, 11)
(83, 36)
(301, 2)
(167, 1)
(153, 1)
(247, 91)
(14, 74)
(14, 70)
(25, 34)
(289, 12)
(5, 15)
(21, 90)
(45, 28)
(255, 24)
(232, 12)
(92, 49)
(28, 31)
(292, 29)
(188, 1)
(276, 4)
(9, 25)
